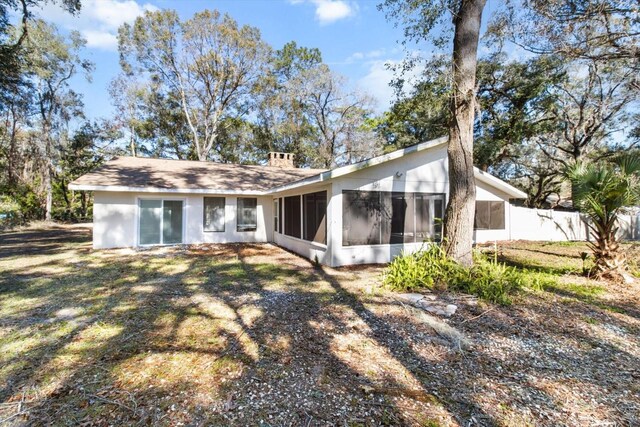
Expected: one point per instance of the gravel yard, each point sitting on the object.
(253, 335)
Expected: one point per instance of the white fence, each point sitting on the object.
(550, 225)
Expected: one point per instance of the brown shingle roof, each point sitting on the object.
(190, 175)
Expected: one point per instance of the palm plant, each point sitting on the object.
(601, 191)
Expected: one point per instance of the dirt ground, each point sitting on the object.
(253, 335)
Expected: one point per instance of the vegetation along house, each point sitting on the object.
(362, 213)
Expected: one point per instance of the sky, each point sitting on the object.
(354, 37)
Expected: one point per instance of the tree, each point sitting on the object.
(601, 190)
(596, 30)
(307, 109)
(283, 123)
(339, 118)
(419, 20)
(54, 60)
(12, 49)
(208, 61)
(591, 106)
(421, 115)
(87, 149)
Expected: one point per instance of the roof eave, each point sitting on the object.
(345, 170)
(127, 189)
(499, 184)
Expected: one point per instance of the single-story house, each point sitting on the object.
(366, 212)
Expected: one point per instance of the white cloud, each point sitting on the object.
(98, 20)
(330, 11)
(376, 82)
(373, 54)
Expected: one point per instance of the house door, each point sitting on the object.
(160, 222)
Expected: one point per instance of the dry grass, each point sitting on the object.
(252, 335)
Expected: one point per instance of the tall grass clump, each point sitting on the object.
(430, 268)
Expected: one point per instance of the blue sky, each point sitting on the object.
(354, 37)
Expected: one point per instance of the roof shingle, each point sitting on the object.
(190, 175)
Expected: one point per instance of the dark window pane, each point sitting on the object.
(281, 211)
(438, 214)
(489, 215)
(315, 212)
(292, 216)
(172, 221)
(276, 215)
(481, 221)
(214, 213)
(497, 215)
(361, 213)
(423, 218)
(247, 214)
(399, 217)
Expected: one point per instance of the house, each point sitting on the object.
(367, 212)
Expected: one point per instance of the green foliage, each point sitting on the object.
(430, 268)
(601, 190)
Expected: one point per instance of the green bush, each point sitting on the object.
(431, 269)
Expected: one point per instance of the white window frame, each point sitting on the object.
(162, 199)
(224, 213)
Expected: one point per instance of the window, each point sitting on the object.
(247, 214)
(374, 217)
(281, 211)
(292, 217)
(315, 215)
(213, 218)
(361, 224)
(160, 222)
(400, 217)
(489, 215)
(276, 215)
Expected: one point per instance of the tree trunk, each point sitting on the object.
(458, 225)
(48, 186)
(609, 262)
(48, 177)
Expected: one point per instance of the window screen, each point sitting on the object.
(247, 214)
(276, 215)
(281, 211)
(489, 215)
(213, 214)
(292, 217)
(399, 212)
(375, 217)
(361, 218)
(315, 213)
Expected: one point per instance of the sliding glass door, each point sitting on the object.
(160, 222)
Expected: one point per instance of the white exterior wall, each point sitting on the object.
(422, 172)
(115, 219)
(485, 192)
(311, 250)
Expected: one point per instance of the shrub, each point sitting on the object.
(431, 269)
(423, 269)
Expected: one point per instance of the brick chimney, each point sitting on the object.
(281, 160)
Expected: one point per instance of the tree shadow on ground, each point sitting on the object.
(249, 335)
